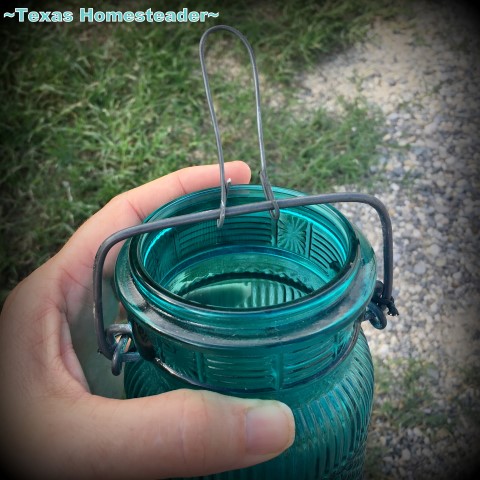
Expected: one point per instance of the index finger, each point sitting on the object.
(131, 207)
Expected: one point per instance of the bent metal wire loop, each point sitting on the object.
(263, 172)
(112, 342)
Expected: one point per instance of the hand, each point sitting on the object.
(54, 426)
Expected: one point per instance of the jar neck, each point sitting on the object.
(256, 371)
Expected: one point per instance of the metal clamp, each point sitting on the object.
(113, 342)
(119, 337)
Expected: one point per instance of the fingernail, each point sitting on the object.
(270, 428)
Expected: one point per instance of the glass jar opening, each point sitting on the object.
(253, 262)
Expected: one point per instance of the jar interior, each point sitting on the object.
(253, 261)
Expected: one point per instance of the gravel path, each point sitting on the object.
(423, 72)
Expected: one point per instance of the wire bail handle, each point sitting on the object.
(224, 183)
(117, 343)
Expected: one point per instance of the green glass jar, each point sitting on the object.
(259, 308)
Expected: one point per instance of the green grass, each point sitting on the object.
(403, 395)
(90, 110)
(405, 398)
(402, 399)
(410, 403)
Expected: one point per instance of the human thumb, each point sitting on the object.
(186, 433)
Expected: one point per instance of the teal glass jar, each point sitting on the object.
(258, 308)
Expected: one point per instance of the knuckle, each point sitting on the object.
(117, 202)
(124, 203)
(194, 425)
(212, 436)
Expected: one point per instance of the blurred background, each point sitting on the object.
(90, 110)
(369, 95)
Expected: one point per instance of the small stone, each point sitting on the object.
(434, 308)
(459, 291)
(433, 373)
(441, 219)
(434, 250)
(442, 209)
(426, 452)
(420, 268)
(430, 128)
(406, 455)
(442, 433)
(437, 164)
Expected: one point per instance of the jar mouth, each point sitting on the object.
(253, 267)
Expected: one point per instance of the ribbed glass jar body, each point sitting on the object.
(259, 308)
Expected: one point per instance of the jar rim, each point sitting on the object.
(183, 311)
